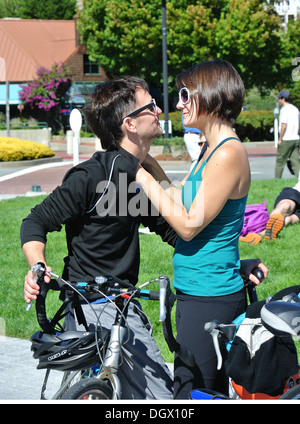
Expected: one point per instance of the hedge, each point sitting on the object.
(13, 149)
(250, 125)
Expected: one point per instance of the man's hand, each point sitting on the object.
(31, 288)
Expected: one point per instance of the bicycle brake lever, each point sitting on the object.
(37, 270)
(212, 328)
(163, 284)
(215, 336)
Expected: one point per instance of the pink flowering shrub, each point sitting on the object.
(43, 94)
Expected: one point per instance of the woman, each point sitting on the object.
(208, 217)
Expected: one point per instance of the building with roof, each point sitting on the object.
(288, 10)
(27, 44)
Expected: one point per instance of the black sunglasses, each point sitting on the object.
(152, 106)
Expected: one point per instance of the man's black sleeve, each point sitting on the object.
(66, 202)
(159, 225)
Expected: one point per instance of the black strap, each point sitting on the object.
(79, 312)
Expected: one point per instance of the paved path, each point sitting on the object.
(19, 378)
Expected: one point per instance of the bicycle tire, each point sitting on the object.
(90, 388)
(292, 394)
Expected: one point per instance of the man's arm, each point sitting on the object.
(282, 132)
(34, 252)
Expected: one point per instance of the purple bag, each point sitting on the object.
(255, 218)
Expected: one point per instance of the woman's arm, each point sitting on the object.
(225, 176)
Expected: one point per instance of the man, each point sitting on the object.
(192, 142)
(102, 233)
(288, 142)
(286, 212)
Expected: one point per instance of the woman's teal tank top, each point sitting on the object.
(209, 264)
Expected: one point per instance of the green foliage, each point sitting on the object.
(295, 93)
(9, 8)
(255, 125)
(248, 36)
(255, 100)
(50, 9)
(290, 55)
(36, 9)
(250, 125)
(176, 118)
(125, 36)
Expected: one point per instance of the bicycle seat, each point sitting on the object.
(281, 318)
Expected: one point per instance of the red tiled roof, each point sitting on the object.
(26, 44)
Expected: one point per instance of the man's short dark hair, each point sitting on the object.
(216, 88)
(112, 101)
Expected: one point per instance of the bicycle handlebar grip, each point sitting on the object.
(40, 307)
(258, 274)
(38, 271)
(153, 295)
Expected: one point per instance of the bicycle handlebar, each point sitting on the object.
(103, 284)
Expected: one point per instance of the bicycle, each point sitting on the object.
(93, 356)
(280, 315)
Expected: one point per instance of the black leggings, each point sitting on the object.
(192, 313)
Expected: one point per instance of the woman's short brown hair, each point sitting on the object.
(216, 88)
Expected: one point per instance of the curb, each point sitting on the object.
(32, 162)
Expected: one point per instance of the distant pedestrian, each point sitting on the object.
(286, 212)
(289, 140)
(192, 142)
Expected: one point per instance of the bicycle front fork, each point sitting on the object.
(110, 366)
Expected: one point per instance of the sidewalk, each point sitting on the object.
(19, 378)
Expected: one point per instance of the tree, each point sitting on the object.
(125, 36)
(42, 96)
(248, 35)
(36, 9)
(9, 8)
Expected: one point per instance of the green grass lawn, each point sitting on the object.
(281, 256)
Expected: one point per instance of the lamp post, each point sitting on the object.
(165, 69)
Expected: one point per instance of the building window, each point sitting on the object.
(89, 67)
